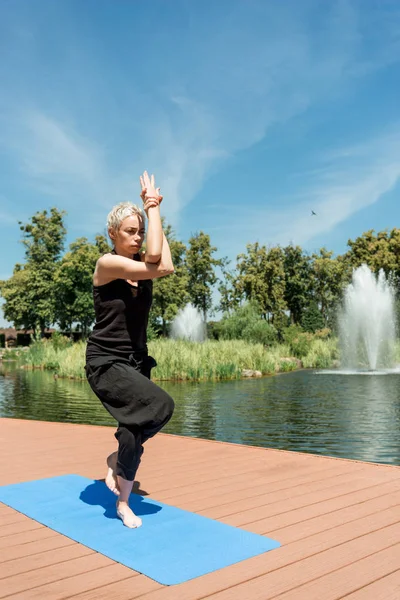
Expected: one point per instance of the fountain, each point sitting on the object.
(189, 325)
(367, 322)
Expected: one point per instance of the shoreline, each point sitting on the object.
(293, 363)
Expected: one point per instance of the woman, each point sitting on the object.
(117, 362)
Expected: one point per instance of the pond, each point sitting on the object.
(350, 416)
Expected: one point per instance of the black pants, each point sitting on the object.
(139, 405)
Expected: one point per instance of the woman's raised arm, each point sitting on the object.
(114, 266)
(151, 199)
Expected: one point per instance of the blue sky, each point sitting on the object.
(250, 113)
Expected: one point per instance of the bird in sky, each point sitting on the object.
(313, 213)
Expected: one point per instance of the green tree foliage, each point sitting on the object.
(73, 280)
(18, 306)
(328, 281)
(297, 268)
(230, 295)
(250, 281)
(261, 278)
(378, 251)
(170, 293)
(102, 244)
(312, 319)
(201, 266)
(246, 323)
(32, 285)
(284, 284)
(275, 277)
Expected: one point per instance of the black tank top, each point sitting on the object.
(122, 312)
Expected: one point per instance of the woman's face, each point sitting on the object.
(129, 239)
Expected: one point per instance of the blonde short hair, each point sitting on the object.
(119, 212)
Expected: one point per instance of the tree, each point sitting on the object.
(246, 323)
(33, 283)
(170, 293)
(201, 271)
(297, 281)
(312, 319)
(73, 279)
(328, 281)
(250, 281)
(18, 306)
(361, 249)
(378, 251)
(102, 244)
(275, 278)
(228, 289)
(261, 278)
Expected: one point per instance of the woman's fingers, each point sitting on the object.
(148, 185)
(146, 178)
(150, 202)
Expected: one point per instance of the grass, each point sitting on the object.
(322, 354)
(187, 361)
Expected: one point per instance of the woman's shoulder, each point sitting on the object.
(100, 273)
(104, 259)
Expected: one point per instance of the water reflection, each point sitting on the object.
(347, 416)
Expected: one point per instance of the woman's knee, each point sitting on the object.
(163, 409)
(169, 406)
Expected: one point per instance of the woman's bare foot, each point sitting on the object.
(127, 516)
(111, 477)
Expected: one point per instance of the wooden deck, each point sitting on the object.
(338, 520)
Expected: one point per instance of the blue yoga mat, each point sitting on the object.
(172, 546)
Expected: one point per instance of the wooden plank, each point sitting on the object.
(291, 499)
(327, 575)
(351, 577)
(25, 537)
(387, 588)
(27, 524)
(11, 518)
(293, 483)
(298, 550)
(326, 522)
(263, 577)
(39, 577)
(35, 547)
(44, 559)
(114, 582)
(278, 519)
(337, 495)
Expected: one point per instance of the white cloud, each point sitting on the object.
(247, 77)
(258, 68)
(52, 156)
(51, 150)
(349, 180)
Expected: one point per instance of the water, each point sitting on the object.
(367, 322)
(189, 325)
(319, 412)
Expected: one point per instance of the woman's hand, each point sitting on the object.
(150, 194)
(150, 203)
